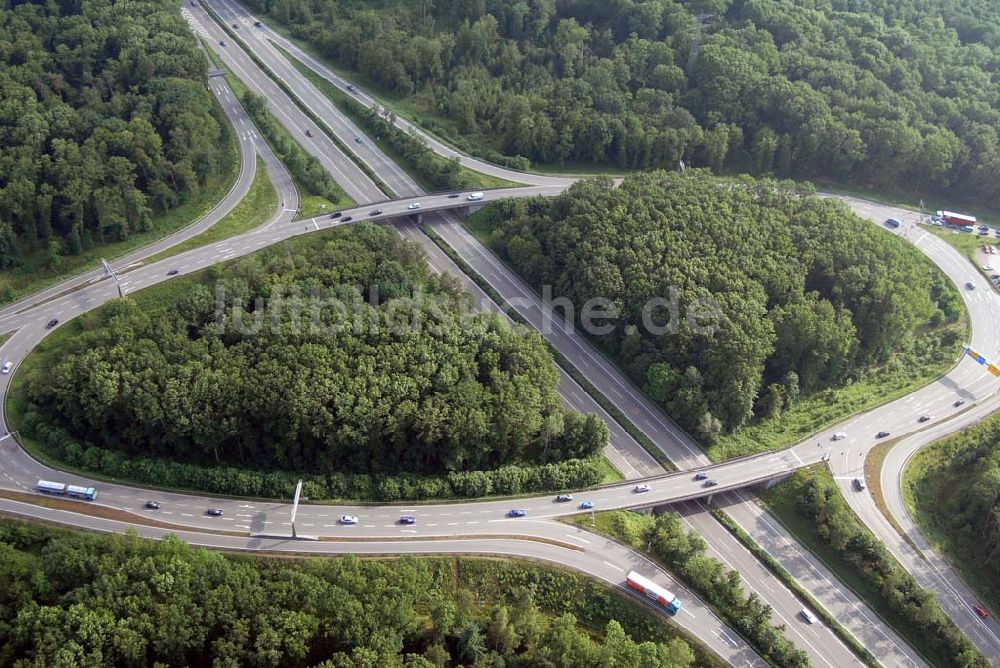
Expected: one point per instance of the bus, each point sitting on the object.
(48, 487)
(653, 592)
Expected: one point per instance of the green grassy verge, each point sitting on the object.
(781, 500)
(611, 474)
(252, 211)
(928, 484)
(789, 581)
(468, 177)
(934, 353)
(969, 245)
(36, 274)
(616, 414)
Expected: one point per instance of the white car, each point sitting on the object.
(348, 519)
(639, 489)
(414, 205)
(808, 616)
(839, 436)
(6, 367)
(987, 267)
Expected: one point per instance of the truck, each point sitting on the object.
(76, 491)
(653, 592)
(956, 219)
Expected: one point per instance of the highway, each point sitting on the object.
(186, 510)
(677, 446)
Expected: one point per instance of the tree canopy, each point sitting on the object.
(82, 599)
(887, 93)
(761, 294)
(329, 353)
(104, 120)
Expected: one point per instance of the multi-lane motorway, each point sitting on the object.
(462, 527)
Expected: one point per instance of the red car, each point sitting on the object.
(981, 610)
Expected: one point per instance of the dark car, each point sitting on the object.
(222, 42)
(257, 24)
(517, 513)
(309, 133)
(214, 512)
(152, 505)
(710, 483)
(407, 519)
(346, 218)
(701, 476)
(51, 323)
(859, 484)
(453, 196)
(376, 212)
(236, 26)
(881, 434)
(958, 402)
(924, 418)
(564, 497)
(352, 88)
(172, 272)
(336, 214)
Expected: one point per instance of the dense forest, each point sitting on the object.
(85, 600)
(886, 93)
(955, 486)
(105, 120)
(798, 293)
(333, 353)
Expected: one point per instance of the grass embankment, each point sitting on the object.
(253, 210)
(930, 484)
(36, 273)
(875, 565)
(468, 178)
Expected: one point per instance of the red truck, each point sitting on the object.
(957, 219)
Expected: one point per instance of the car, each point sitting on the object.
(710, 483)
(352, 88)
(257, 24)
(236, 26)
(474, 197)
(222, 42)
(346, 219)
(924, 418)
(413, 205)
(6, 367)
(859, 484)
(408, 519)
(152, 505)
(958, 402)
(51, 323)
(564, 497)
(700, 476)
(808, 616)
(970, 286)
(309, 133)
(348, 519)
(839, 436)
(376, 212)
(988, 268)
(881, 434)
(214, 512)
(172, 272)
(586, 505)
(892, 222)
(981, 610)
(454, 196)
(358, 139)
(994, 276)
(639, 489)
(983, 233)
(517, 512)
(336, 214)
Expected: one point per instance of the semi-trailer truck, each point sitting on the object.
(653, 591)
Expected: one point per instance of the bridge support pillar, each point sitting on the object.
(768, 484)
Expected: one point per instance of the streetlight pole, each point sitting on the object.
(295, 506)
(111, 272)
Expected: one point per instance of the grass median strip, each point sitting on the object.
(803, 595)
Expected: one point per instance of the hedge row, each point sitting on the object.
(503, 481)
